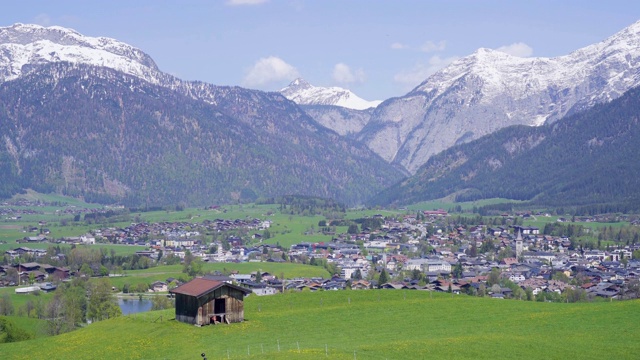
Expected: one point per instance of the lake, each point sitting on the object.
(132, 306)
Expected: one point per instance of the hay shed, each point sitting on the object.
(203, 302)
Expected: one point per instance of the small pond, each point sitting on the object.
(131, 306)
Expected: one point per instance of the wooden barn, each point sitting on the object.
(203, 302)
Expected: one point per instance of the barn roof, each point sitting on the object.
(201, 286)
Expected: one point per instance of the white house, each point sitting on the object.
(88, 239)
(437, 265)
(415, 264)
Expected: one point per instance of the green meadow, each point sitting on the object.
(467, 205)
(161, 273)
(370, 324)
(19, 300)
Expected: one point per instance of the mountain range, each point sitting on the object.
(489, 90)
(93, 117)
(590, 158)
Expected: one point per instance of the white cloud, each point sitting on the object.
(42, 19)
(399, 46)
(269, 70)
(421, 71)
(245, 2)
(519, 49)
(343, 74)
(430, 46)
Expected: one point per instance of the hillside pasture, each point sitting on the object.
(370, 324)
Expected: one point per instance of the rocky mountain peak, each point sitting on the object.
(303, 93)
(488, 90)
(298, 84)
(23, 46)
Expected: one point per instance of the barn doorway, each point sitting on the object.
(219, 306)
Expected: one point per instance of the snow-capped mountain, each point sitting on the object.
(489, 90)
(303, 93)
(25, 46)
(201, 138)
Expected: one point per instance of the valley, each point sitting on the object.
(490, 211)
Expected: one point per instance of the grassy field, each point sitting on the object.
(35, 327)
(161, 273)
(119, 249)
(541, 221)
(443, 204)
(372, 324)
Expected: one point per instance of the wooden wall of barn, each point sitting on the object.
(193, 310)
(186, 308)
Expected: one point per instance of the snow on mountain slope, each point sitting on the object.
(303, 93)
(489, 90)
(23, 46)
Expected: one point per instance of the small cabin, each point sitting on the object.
(202, 302)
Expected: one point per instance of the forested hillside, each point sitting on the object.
(109, 137)
(586, 159)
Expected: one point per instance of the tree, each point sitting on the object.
(353, 229)
(487, 246)
(473, 251)
(12, 275)
(482, 290)
(416, 274)
(357, 275)
(193, 268)
(575, 295)
(457, 270)
(160, 303)
(104, 271)
(633, 289)
(12, 332)
(494, 277)
(507, 252)
(384, 278)
(86, 270)
(6, 305)
(496, 289)
(560, 276)
(74, 305)
(142, 288)
(519, 293)
(102, 304)
(55, 315)
(529, 293)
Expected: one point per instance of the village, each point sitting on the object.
(422, 251)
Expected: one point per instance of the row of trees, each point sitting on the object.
(71, 307)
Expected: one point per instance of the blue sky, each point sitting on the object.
(378, 49)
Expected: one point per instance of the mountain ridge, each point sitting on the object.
(28, 45)
(489, 90)
(93, 124)
(588, 158)
(303, 93)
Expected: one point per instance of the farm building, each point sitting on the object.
(203, 302)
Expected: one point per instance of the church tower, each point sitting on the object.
(519, 245)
